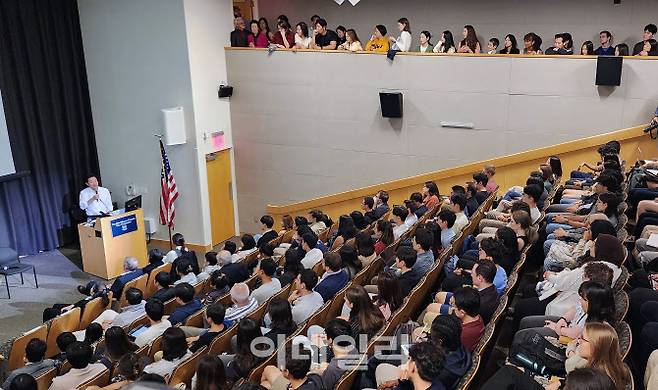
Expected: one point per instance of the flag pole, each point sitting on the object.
(171, 246)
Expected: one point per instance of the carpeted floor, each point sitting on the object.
(57, 275)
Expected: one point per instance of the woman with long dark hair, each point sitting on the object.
(390, 297)
(365, 317)
(210, 374)
(556, 166)
(117, 344)
(365, 248)
(350, 260)
(384, 234)
(532, 44)
(470, 43)
(291, 268)
(264, 26)
(587, 49)
(174, 352)
(244, 359)
(509, 45)
(258, 37)
(346, 230)
(446, 44)
(282, 323)
(511, 253)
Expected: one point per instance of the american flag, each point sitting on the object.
(168, 191)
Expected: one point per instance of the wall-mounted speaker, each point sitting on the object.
(608, 70)
(391, 103)
(225, 91)
(174, 125)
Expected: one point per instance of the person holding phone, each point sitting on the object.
(95, 200)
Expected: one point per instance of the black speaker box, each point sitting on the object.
(608, 70)
(391, 103)
(225, 91)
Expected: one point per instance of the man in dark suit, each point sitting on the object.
(334, 277)
(367, 205)
(240, 34)
(382, 204)
(483, 274)
(132, 271)
(268, 234)
(235, 272)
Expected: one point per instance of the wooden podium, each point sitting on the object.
(105, 245)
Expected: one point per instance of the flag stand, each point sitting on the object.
(171, 246)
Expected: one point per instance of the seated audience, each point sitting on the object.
(179, 248)
(412, 218)
(650, 31)
(346, 231)
(425, 45)
(430, 193)
(265, 28)
(426, 362)
(296, 373)
(384, 235)
(244, 359)
(403, 41)
(389, 297)
(381, 203)
(587, 48)
(221, 287)
(291, 269)
(131, 271)
(63, 341)
(399, 215)
(185, 272)
(323, 39)
(509, 45)
(458, 202)
(258, 37)
(165, 291)
(562, 45)
(268, 284)
(334, 277)
(157, 325)
(215, 315)
(188, 304)
(248, 247)
(282, 325)
(234, 272)
(470, 43)
(128, 314)
(465, 305)
(35, 364)
(174, 352)
(79, 355)
(471, 200)
(481, 180)
(210, 374)
(365, 249)
(446, 333)
(365, 317)
(305, 301)
(352, 42)
(359, 220)
(532, 44)
(117, 344)
(341, 31)
(417, 199)
(155, 260)
(283, 38)
(446, 220)
(267, 222)
(239, 36)
(378, 42)
(302, 38)
(492, 46)
(446, 43)
(650, 48)
(319, 220)
(209, 267)
(422, 242)
(350, 261)
(312, 255)
(490, 171)
(606, 48)
(621, 50)
(243, 304)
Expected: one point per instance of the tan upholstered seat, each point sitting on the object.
(17, 351)
(67, 322)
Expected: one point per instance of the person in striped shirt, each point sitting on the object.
(242, 303)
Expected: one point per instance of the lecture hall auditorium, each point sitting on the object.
(328, 194)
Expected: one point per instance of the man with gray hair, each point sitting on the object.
(242, 303)
(131, 271)
(235, 272)
(240, 34)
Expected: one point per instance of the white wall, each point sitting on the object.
(143, 56)
(583, 18)
(308, 124)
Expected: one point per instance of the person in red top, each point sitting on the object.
(257, 38)
(466, 307)
(284, 38)
(384, 234)
(430, 193)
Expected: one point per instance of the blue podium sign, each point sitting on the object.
(123, 225)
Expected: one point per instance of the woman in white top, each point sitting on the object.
(174, 352)
(179, 241)
(352, 42)
(302, 40)
(446, 44)
(403, 42)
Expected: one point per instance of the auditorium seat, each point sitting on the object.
(18, 346)
(184, 372)
(67, 322)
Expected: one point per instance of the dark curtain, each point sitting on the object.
(46, 100)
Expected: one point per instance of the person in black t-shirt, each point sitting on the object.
(215, 317)
(649, 31)
(296, 372)
(323, 39)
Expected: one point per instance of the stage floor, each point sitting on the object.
(58, 275)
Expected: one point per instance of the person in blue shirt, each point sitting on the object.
(132, 271)
(188, 304)
(334, 277)
(606, 48)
